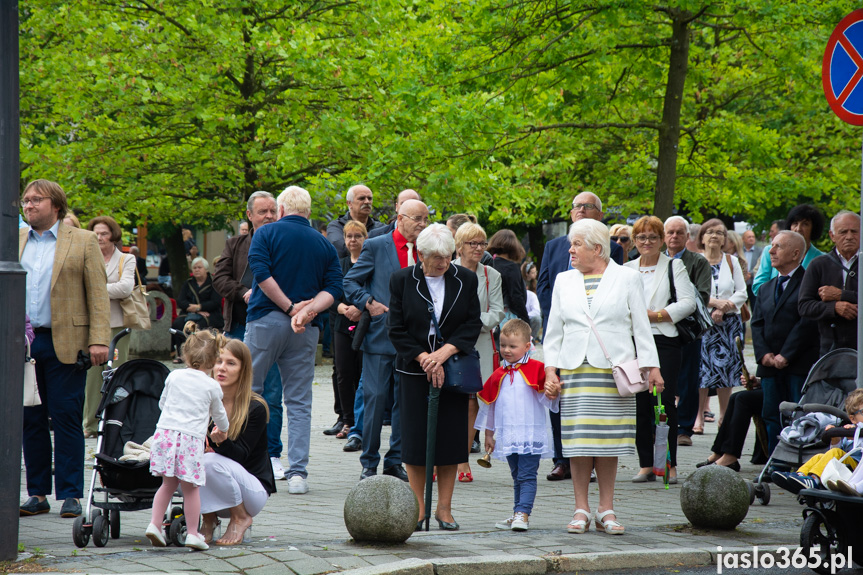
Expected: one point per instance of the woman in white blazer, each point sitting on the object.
(120, 269)
(597, 424)
(470, 244)
(721, 364)
(652, 266)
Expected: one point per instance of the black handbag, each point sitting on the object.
(462, 373)
(694, 325)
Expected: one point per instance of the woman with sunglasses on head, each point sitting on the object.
(657, 280)
(621, 234)
(721, 364)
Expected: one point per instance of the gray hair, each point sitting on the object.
(593, 233)
(693, 231)
(678, 219)
(436, 240)
(795, 239)
(349, 197)
(200, 260)
(839, 215)
(598, 201)
(259, 194)
(295, 200)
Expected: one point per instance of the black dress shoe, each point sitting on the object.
(368, 472)
(337, 427)
(71, 508)
(397, 471)
(353, 444)
(34, 507)
(445, 526)
(559, 473)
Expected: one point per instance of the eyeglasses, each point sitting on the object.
(621, 239)
(354, 237)
(644, 239)
(587, 207)
(33, 200)
(417, 219)
(715, 233)
(476, 245)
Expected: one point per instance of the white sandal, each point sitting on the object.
(611, 527)
(579, 526)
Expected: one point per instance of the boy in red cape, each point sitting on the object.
(513, 411)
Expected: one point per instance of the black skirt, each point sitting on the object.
(451, 447)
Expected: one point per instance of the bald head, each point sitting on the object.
(412, 219)
(404, 196)
(586, 205)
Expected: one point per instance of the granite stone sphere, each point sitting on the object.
(714, 497)
(381, 509)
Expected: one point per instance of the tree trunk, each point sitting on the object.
(669, 131)
(177, 259)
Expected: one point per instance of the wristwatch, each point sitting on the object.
(290, 309)
(659, 317)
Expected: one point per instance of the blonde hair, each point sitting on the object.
(517, 328)
(466, 232)
(242, 400)
(202, 346)
(355, 226)
(617, 228)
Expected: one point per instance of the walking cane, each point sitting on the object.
(431, 444)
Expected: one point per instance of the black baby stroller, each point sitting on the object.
(128, 411)
(829, 382)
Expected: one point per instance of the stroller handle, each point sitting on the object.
(113, 347)
(788, 407)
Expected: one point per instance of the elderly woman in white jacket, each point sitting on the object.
(470, 244)
(120, 269)
(597, 424)
(721, 364)
(653, 267)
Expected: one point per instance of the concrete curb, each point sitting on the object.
(611, 560)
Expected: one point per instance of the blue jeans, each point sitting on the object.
(272, 395)
(523, 469)
(359, 408)
(688, 383)
(779, 388)
(272, 340)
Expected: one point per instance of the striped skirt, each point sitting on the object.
(595, 420)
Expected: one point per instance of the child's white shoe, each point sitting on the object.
(196, 542)
(154, 534)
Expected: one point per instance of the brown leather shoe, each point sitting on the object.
(559, 473)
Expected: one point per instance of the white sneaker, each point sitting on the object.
(505, 524)
(278, 470)
(520, 522)
(196, 542)
(297, 485)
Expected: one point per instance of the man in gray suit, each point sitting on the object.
(367, 286)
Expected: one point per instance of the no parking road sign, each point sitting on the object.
(842, 70)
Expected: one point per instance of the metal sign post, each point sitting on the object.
(841, 75)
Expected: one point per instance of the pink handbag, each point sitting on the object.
(628, 376)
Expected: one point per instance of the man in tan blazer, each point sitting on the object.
(67, 301)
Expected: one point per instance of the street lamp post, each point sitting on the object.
(11, 286)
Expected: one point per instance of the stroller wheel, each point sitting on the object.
(176, 511)
(751, 487)
(177, 531)
(100, 531)
(80, 534)
(115, 524)
(762, 493)
(819, 535)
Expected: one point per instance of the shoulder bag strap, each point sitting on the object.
(671, 288)
(120, 271)
(599, 339)
(438, 336)
(488, 305)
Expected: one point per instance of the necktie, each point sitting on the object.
(780, 285)
(411, 260)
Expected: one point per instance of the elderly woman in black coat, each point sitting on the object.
(451, 292)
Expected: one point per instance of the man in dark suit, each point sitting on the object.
(785, 343)
(367, 286)
(233, 280)
(829, 292)
(556, 259)
(676, 235)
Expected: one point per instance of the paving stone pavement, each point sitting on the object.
(305, 534)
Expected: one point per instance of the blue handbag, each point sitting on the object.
(462, 372)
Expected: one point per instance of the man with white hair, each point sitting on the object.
(556, 259)
(367, 286)
(785, 343)
(403, 196)
(829, 292)
(676, 236)
(296, 276)
(359, 199)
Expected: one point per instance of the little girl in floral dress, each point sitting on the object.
(190, 398)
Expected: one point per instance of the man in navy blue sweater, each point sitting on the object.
(296, 276)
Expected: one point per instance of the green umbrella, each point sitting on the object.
(431, 445)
